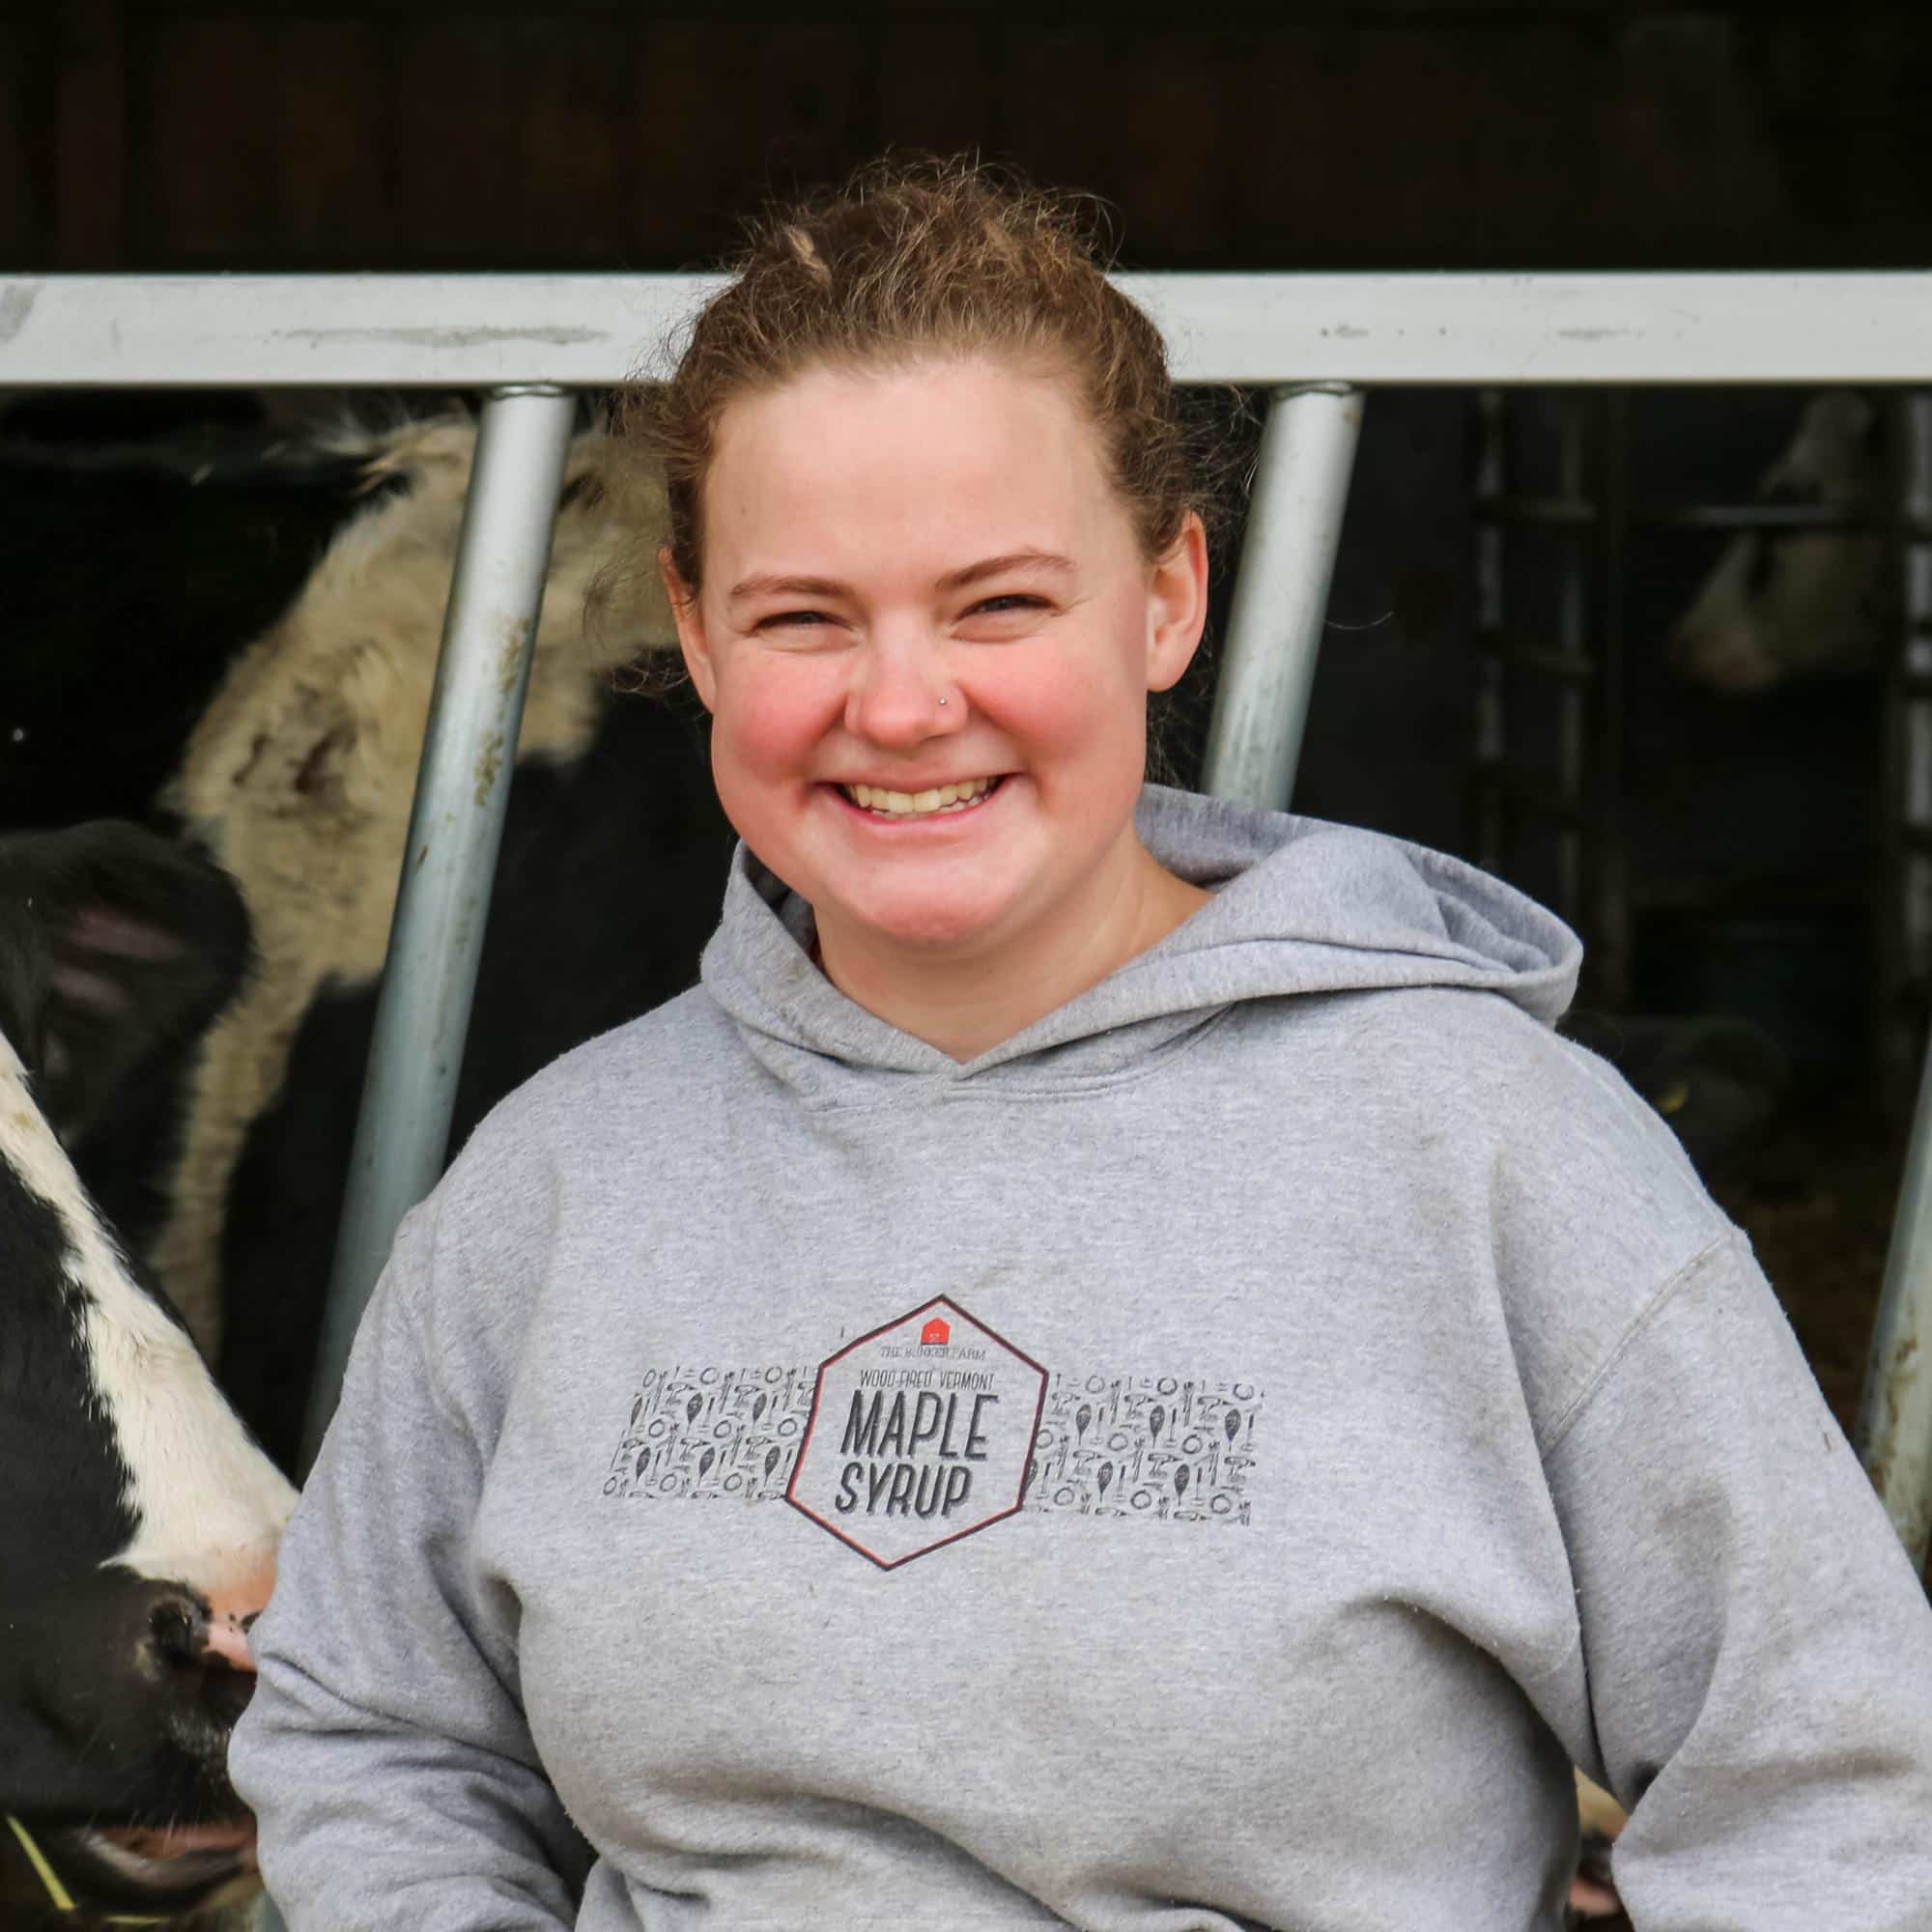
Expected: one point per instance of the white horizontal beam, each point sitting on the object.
(476, 332)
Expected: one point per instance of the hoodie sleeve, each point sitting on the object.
(1759, 1653)
(385, 1751)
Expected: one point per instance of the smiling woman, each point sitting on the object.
(1208, 1406)
(988, 626)
(937, 521)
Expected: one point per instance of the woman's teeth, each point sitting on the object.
(915, 804)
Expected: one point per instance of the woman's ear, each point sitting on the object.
(690, 622)
(1177, 606)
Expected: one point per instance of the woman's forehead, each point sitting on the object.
(1001, 455)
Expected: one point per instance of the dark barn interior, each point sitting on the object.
(1507, 672)
(179, 134)
(1747, 832)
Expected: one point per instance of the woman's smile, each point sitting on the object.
(920, 806)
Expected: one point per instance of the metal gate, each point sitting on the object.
(1317, 343)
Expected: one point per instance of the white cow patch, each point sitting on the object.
(299, 776)
(209, 1506)
(1777, 606)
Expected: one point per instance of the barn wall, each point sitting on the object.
(410, 133)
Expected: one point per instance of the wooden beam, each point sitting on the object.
(90, 137)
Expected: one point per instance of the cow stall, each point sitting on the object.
(1820, 577)
(1320, 345)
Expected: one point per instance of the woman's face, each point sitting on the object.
(922, 579)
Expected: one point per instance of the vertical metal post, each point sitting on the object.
(455, 827)
(1281, 595)
(1572, 643)
(1609, 904)
(1914, 910)
(1894, 1432)
(1489, 836)
(1897, 984)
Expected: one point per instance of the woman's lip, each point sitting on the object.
(912, 790)
(900, 822)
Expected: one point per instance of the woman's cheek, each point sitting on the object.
(1079, 707)
(773, 716)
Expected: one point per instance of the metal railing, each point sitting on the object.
(1316, 342)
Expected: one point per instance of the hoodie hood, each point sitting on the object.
(1299, 907)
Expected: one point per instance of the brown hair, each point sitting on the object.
(917, 256)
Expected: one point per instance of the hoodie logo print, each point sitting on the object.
(721, 1433)
(921, 1432)
(1179, 1448)
(1176, 1447)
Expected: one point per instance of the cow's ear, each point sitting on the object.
(1837, 425)
(117, 947)
(23, 974)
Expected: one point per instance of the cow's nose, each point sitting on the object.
(231, 1612)
(203, 1655)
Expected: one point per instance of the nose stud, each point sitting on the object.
(942, 700)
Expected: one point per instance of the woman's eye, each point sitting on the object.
(1014, 600)
(804, 617)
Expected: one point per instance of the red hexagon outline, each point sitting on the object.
(811, 1422)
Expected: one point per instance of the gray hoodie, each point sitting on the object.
(1212, 1461)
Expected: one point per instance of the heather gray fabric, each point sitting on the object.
(1211, 1462)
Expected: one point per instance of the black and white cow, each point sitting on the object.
(280, 724)
(141, 1520)
(1804, 602)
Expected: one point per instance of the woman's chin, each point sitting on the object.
(937, 932)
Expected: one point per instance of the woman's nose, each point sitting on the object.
(901, 696)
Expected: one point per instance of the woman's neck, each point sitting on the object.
(966, 1003)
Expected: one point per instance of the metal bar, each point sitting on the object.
(1541, 659)
(478, 332)
(1528, 798)
(1560, 512)
(1564, 512)
(1896, 1034)
(1792, 518)
(1895, 1426)
(455, 827)
(1915, 592)
(1611, 780)
(1894, 1430)
(1572, 641)
(1490, 833)
(1281, 594)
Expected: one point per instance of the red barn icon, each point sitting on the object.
(935, 1334)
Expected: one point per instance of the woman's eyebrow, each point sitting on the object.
(992, 566)
(767, 586)
(763, 585)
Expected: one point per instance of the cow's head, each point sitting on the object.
(1781, 605)
(140, 1524)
